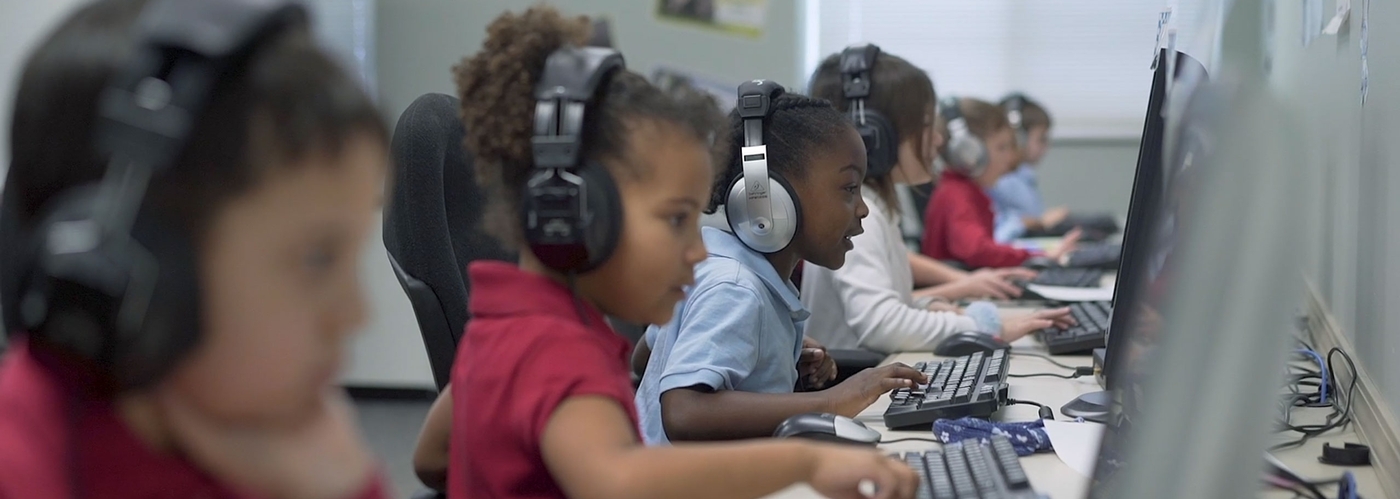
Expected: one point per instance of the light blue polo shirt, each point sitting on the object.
(739, 328)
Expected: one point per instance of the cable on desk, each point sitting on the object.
(1078, 373)
(1045, 411)
(1046, 357)
(911, 439)
(1341, 404)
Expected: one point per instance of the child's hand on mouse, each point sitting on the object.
(839, 471)
(1015, 328)
(863, 388)
(815, 365)
(322, 458)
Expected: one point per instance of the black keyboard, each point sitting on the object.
(1069, 277)
(971, 469)
(1103, 255)
(1090, 333)
(971, 385)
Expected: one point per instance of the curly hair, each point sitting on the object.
(798, 128)
(496, 88)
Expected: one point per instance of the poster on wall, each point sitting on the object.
(736, 17)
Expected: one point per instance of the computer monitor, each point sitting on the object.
(1137, 232)
(1137, 319)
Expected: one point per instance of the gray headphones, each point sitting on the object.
(761, 208)
(964, 153)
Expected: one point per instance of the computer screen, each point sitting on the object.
(1146, 274)
(1144, 205)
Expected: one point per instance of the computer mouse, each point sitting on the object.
(967, 343)
(827, 428)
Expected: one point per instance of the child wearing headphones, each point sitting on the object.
(726, 365)
(869, 302)
(1020, 211)
(186, 287)
(959, 221)
(542, 402)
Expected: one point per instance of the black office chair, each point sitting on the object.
(432, 224)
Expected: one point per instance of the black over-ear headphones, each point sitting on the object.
(881, 140)
(1014, 104)
(105, 277)
(964, 152)
(570, 209)
(762, 209)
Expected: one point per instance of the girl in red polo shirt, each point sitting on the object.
(541, 398)
(223, 386)
(979, 148)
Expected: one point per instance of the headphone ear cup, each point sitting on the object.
(964, 152)
(129, 305)
(605, 214)
(787, 215)
(881, 144)
(172, 327)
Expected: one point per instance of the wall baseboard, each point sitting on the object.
(1374, 421)
(391, 393)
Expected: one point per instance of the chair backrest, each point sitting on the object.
(432, 224)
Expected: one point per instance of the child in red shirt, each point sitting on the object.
(541, 398)
(959, 221)
(220, 385)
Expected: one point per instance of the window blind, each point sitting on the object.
(1088, 61)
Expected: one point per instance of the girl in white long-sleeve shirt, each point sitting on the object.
(870, 303)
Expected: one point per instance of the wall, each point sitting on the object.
(1090, 175)
(1355, 261)
(420, 40)
(22, 24)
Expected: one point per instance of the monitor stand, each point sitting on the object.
(1092, 406)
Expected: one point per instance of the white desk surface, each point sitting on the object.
(1053, 477)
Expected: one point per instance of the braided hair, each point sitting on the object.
(798, 128)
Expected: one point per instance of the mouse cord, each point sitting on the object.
(1079, 372)
(1045, 411)
(1047, 358)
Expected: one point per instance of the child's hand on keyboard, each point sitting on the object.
(1066, 246)
(862, 389)
(840, 470)
(1014, 328)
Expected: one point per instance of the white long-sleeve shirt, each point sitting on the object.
(868, 303)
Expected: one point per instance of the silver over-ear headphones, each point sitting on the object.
(964, 152)
(761, 208)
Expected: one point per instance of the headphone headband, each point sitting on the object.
(755, 105)
(856, 63)
(570, 79)
(570, 209)
(881, 140)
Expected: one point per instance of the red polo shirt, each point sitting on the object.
(958, 225)
(55, 433)
(524, 352)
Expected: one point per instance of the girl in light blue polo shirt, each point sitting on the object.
(725, 367)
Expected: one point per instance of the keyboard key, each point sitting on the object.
(1010, 463)
(982, 474)
(958, 472)
(936, 475)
